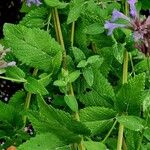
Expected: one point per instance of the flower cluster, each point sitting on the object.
(140, 27)
(36, 2)
(3, 63)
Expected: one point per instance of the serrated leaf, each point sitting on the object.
(96, 113)
(129, 97)
(94, 28)
(71, 102)
(59, 122)
(98, 127)
(35, 18)
(35, 87)
(78, 54)
(131, 122)
(88, 75)
(56, 3)
(99, 94)
(33, 47)
(90, 145)
(15, 72)
(46, 141)
(73, 76)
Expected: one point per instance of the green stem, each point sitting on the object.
(120, 137)
(108, 134)
(59, 35)
(26, 106)
(35, 71)
(125, 68)
(72, 34)
(28, 98)
(124, 80)
(61, 41)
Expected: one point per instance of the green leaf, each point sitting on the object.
(131, 122)
(46, 141)
(147, 133)
(71, 102)
(56, 3)
(90, 145)
(60, 83)
(96, 113)
(146, 101)
(34, 86)
(98, 127)
(97, 119)
(10, 116)
(94, 59)
(82, 64)
(74, 13)
(88, 75)
(58, 122)
(99, 94)
(78, 54)
(118, 50)
(132, 139)
(73, 76)
(94, 28)
(18, 99)
(129, 97)
(33, 47)
(35, 18)
(45, 79)
(15, 72)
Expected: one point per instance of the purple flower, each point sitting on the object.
(133, 11)
(140, 28)
(36, 2)
(111, 26)
(117, 15)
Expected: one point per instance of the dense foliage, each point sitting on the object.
(76, 87)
